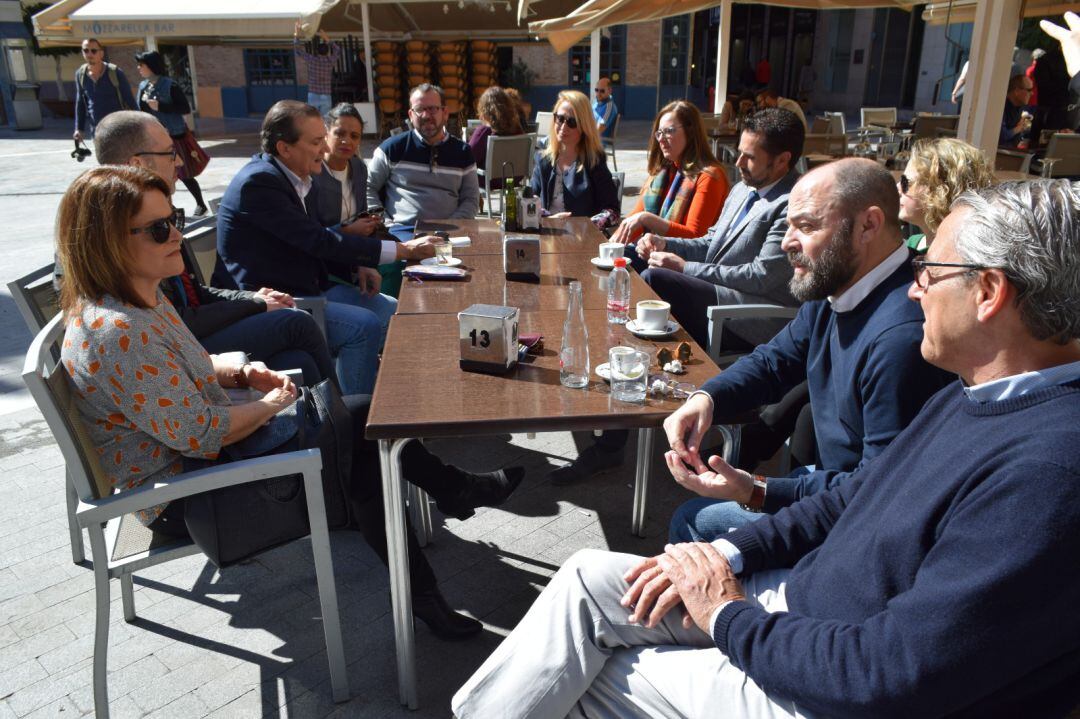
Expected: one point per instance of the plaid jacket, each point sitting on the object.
(320, 68)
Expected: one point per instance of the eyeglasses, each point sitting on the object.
(905, 184)
(668, 132)
(600, 89)
(165, 153)
(922, 277)
(569, 120)
(428, 109)
(91, 50)
(161, 230)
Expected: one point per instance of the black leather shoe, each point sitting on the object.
(431, 608)
(588, 463)
(481, 490)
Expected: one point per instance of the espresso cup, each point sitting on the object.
(653, 314)
(610, 250)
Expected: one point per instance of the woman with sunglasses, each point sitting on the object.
(686, 188)
(163, 98)
(153, 402)
(937, 173)
(571, 174)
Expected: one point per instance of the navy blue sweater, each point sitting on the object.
(940, 581)
(866, 376)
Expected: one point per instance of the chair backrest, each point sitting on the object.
(1065, 148)
(201, 247)
(50, 387)
(620, 186)
(825, 144)
(543, 119)
(836, 123)
(929, 125)
(877, 116)
(1014, 161)
(36, 297)
(614, 129)
(711, 123)
(518, 150)
(821, 125)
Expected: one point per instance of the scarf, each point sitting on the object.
(675, 204)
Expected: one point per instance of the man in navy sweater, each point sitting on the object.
(939, 581)
(855, 342)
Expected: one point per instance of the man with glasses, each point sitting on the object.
(1016, 119)
(263, 324)
(100, 88)
(855, 342)
(424, 174)
(940, 580)
(604, 109)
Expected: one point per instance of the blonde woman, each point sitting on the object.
(938, 171)
(571, 175)
(686, 188)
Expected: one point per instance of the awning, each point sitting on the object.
(938, 13)
(118, 22)
(565, 32)
(448, 19)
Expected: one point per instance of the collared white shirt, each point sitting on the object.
(1020, 384)
(852, 296)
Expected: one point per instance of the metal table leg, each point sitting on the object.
(641, 480)
(398, 559)
(420, 503)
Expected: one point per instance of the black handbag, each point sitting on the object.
(238, 522)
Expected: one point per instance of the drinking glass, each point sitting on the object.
(629, 371)
(444, 252)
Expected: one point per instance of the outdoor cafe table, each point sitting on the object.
(487, 284)
(422, 392)
(571, 234)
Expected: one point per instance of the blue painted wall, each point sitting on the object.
(234, 102)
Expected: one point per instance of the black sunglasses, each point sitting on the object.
(568, 120)
(161, 230)
(905, 184)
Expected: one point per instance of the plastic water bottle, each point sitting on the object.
(618, 294)
(574, 353)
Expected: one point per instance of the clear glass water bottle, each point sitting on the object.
(574, 353)
(618, 294)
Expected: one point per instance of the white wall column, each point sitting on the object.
(366, 21)
(594, 62)
(194, 78)
(151, 43)
(723, 56)
(992, 42)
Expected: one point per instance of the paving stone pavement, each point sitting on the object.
(247, 642)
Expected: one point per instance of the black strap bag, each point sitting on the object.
(234, 523)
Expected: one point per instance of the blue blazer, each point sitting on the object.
(267, 238)
(329, 207)
(589, 192)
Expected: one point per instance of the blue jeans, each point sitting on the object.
(703, 520)
(354, 335)
(383, 306)
(320, 101)
(283, 339)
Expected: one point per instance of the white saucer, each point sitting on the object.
(452, 262)
(672, 328)
(603, 371)
(602, 263)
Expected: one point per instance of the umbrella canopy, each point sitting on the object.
(565, 32)
(939, 13)
(449, 19)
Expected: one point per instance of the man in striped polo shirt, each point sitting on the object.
(424, 174)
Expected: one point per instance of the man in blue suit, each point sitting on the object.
(268, 236)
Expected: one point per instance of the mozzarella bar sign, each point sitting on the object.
(98, 28)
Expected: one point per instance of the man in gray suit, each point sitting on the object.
(739, 261)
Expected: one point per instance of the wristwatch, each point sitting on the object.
(238, 378)
(757, 495)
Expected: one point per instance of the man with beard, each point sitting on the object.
(425, 174)
(855, 342)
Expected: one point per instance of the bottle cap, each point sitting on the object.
(620, 262)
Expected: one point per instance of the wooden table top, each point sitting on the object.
(422, 392)
(487, 284)
(569, 235)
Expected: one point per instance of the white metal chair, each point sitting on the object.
(470, 127)
(120, 545)
(516, 150)
(1013, 161)
(837, 125)
(608, 141)
(543, 123)
(1062, 156)
(877, 117)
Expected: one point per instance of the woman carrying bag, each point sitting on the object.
(163, 98)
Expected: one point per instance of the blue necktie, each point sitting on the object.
(754, 197)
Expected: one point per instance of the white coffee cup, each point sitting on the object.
(653, 314)
(610, 250)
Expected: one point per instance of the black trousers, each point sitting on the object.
(418, 466)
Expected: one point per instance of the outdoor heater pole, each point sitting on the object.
(723, 56)
(367, 51)
(594, 61)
